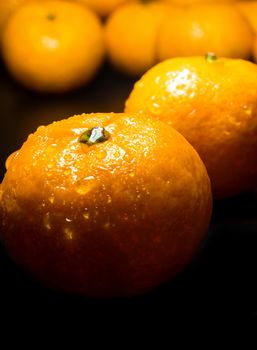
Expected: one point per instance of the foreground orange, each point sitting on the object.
(53, 46)
(131, 34)
(212, 102)
(201, 28)
(104, 205)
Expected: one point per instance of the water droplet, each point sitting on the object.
(155, 108)
(109, 199)
(68, 233)
(248, 110)
(157, 79)
(101, 154)
(86, 185)
(69, 157)
(51, 199)
(86, 216)
(47, 223)
(107, 226)
(125, 217)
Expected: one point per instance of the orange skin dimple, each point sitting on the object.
(213, 104)
(131, 34)
(115, 218)
(53, 46)
(197, 29)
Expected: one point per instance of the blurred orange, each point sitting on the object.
(53, 46)
(104, 204)
(131, 33)
(202, 28)
(212, 102)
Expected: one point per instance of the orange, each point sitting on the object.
(104, 7)
(212, 102)
(104, 204)
(53, 46)
(202, 28)
(131, 33)
(249, 10)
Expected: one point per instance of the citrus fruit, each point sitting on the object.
(104, 204)
(212, 102)
(104, 7)
(203, 28)
(131, 33)
(249, 10)
(53, 46)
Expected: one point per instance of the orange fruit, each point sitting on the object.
(202, 28)
(131, 33)
(104, 204)
(249, 10)
(104, 7)
(212, 102)
(53, 46)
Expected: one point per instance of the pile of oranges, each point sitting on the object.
(115, 204)
(133, 34)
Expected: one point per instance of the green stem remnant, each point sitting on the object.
(210, 57)
(51, 17)
(93, 136)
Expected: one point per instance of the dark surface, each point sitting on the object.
(219, 285)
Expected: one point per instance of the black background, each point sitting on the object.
(219, 285)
